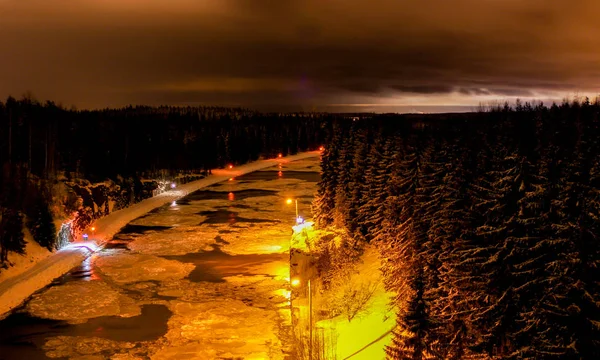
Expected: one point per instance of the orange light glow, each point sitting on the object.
(93, 228)
(230, 166)
(231, 196)
(230, 179)
(279, 155)
(295, 282)
(289, 201)
(321, 148)
(280, 173)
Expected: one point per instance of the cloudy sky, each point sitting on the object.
(335, 55)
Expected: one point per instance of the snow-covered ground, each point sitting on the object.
(14, 290)
(34, 253)
(38, 267)
(203, 277)
(352, 340)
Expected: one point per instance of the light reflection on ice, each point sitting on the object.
(87, 267)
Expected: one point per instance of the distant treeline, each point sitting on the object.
(488, 224)
(133, 140)
(44, 146)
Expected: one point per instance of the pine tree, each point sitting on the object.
(376, 187)
(344, 183)
(568, 309)
(42, 226)
(11, 233)
(358, 179)
(482, 265)
(452, 219)
(406, 267)
(411, 340)
(324, 203)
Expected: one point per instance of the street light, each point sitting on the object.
(296, 282)
(289, 202)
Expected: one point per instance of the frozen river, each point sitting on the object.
(201, 278)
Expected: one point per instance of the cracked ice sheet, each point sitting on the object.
(130, 268)
(180, 241)
(78, 301)
(221, 329)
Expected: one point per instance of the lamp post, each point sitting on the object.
(296, 282)
(310, 323)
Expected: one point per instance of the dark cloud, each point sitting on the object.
(97, 53)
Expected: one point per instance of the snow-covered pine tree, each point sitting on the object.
(357, 180)
(376, 188)
(570, 313)
(489, 292)
(324, 203)
(344, 184)
(405, 267)
(451, 220)
(411, 340)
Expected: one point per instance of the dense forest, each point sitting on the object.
(487, 223)
(43, 145)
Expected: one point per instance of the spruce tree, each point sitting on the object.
(449, 230)
(324, 203)
(376, 188)
(11, 233)
(411, 339)
(42, 225)
(357, 181)
(406, 267)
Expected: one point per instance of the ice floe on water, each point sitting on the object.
(81, 300)
(129, 268)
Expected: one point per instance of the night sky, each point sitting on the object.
(332, 55)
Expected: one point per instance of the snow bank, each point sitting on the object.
(34, 253)
(19, 284)
(17, 289)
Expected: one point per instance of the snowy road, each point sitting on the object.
(14, 290)
(200, 277)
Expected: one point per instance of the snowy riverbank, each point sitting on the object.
(17, 288)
